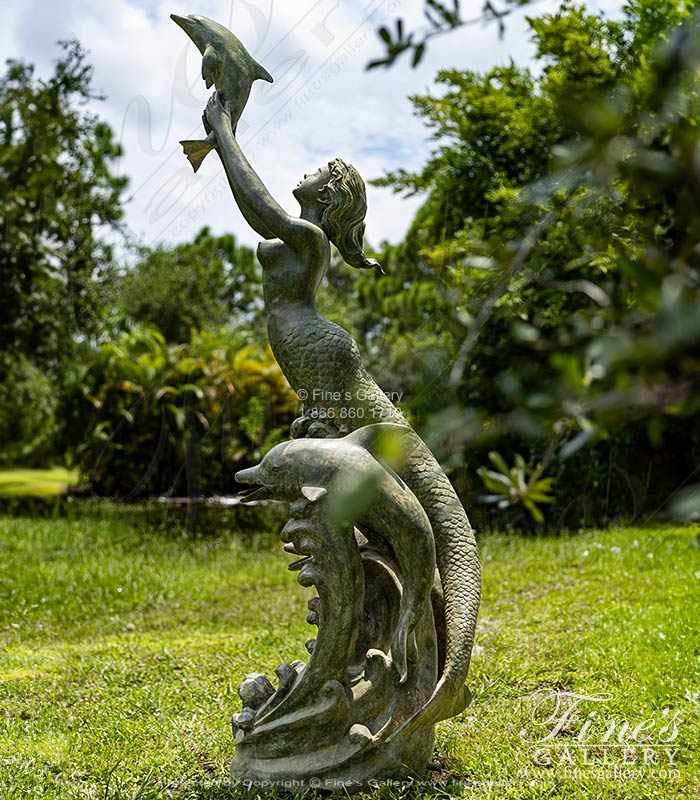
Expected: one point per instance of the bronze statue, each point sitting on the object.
(386, 731)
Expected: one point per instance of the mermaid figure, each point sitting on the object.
(321, 360)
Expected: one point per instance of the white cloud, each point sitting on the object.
(323, 102)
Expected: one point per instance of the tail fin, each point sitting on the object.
(196, 151)
(440, 706)
(261, 73)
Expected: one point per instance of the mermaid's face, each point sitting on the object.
(308, 188)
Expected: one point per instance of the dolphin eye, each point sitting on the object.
(274, 464)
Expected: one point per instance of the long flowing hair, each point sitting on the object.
(343, 219)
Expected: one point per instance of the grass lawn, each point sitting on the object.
(121, 651)
(35, 482)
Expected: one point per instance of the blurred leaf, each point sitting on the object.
(685, 505)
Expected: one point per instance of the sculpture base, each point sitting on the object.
(398, 762)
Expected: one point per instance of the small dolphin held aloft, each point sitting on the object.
(228, 65)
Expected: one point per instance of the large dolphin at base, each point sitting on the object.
(227, 65)
(358, 488)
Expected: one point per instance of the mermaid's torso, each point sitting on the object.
(320, 359)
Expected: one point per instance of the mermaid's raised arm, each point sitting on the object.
(248, 211)
(262, 212)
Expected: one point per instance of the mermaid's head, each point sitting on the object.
(340, 192)
(345, 204)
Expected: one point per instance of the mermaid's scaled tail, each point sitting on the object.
(445, 702)
(460, 577)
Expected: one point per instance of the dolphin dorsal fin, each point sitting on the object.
(260, 73)
(368, 435)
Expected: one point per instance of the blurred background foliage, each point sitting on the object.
(150, 418)
(540, 319)
(558, 243)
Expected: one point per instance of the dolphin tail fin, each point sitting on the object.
(260, 73)
(441, 705)
(196, 151)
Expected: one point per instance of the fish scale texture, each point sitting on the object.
(322, 359)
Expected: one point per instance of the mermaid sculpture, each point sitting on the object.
(391, 659)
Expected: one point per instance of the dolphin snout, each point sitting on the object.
(259, 490)
(250, 475)
(183, 22)
(192, 27)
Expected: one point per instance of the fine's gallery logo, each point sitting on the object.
(570, 729)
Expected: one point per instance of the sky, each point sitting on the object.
(322, 104)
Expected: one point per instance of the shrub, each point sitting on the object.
(147, 418)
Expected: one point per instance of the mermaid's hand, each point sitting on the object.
(217, 116)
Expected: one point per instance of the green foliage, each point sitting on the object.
(58, 198)
(149, 418)
(442, 18)
(518, 485)
(195, 285)
(557, 247)
(27, 412)
(496, 131)
(545, 301)
(58, 195)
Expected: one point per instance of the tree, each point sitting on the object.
(558, 244)
(442, 18)
(59, 197)
(194, 285)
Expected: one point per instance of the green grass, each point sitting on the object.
(121, 652)
(35, 482)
